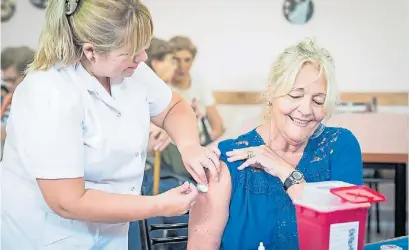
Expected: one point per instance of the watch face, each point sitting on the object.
(297, 175)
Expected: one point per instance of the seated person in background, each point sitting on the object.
(160, 59)
(14, 61)
(264, 169)
(192, 88)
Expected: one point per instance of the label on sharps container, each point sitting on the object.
(344, 236)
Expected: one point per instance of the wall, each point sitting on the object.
(238, 39)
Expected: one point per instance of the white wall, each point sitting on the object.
(238, 39)
(24, 27)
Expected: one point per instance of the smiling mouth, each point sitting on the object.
(301, 123)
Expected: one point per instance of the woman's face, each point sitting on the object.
(184, 60)
(117, 63)
(165, 68)
(299, 113)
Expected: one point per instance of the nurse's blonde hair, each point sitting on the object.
(107, 24)
(287, 66)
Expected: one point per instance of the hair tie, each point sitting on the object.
(70, 6)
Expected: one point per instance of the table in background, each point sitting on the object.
(401, 242)
(383, 138)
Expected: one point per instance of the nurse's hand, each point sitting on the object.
(179, 200)
(197, 158)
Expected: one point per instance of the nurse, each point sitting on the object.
(77, 135)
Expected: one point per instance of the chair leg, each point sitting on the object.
(377, 216)
(377, 174)
(368, 224)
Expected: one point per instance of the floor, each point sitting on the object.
(386, 226)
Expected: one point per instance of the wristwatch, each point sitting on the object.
(295, 177)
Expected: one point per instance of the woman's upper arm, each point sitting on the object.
(208, 216)
(47, 128)
(346, 159)
(159, 94)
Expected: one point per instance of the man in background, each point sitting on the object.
(14, 61)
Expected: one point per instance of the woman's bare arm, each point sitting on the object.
(209, 215)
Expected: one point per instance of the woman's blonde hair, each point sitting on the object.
(107, 24)
(287, 66)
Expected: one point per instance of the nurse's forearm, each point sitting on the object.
(181, 126)
(98, 206)
(68, 199)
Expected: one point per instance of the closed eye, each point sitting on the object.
(295, 96)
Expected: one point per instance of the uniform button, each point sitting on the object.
(118, 114)
(137, 154)
(96, 93)
(133, 189)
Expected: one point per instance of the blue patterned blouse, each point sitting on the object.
(260, 209)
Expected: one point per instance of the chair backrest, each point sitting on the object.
(147, 242)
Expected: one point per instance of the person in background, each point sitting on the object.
(14, 61)
(161, 61)
(195, 91)
(266, 168)
(78, 132)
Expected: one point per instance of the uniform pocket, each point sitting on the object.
(66, 234)
(56, 229)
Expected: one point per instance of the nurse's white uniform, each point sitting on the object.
(64, 124)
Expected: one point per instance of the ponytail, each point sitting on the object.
(107, 24)
(57, 39)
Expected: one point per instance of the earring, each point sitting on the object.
(269, 103)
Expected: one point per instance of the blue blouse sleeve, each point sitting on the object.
(224, 147)
(346, 160)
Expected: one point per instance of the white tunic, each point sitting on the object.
(64, 124)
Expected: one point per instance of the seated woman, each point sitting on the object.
(267, 167)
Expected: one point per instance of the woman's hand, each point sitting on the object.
(197, 158)
(196, 108)
(158, 139)
(179, 200)
(261, 157)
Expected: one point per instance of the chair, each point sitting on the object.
(148, 242)
(373, 179)
(372, 176)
